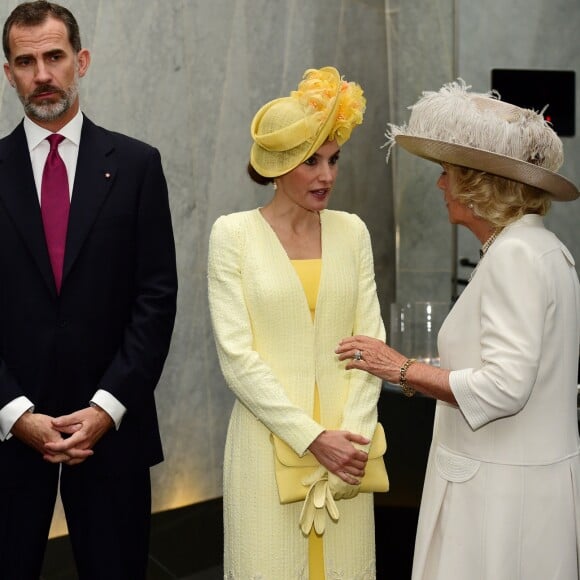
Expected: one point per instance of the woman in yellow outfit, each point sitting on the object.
(286, 282)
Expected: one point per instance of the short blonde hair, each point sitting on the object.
(498, 200)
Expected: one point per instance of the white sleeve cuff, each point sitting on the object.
(111, 405)
(10, 413)
(466, 400)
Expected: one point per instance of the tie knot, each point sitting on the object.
(55, 140)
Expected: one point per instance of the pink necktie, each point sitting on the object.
(54, 206)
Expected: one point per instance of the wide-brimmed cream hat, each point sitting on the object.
(289, 130)
(479, 131)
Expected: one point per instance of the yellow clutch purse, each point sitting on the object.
(291, 469)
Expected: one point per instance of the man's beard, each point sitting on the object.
(50, 110)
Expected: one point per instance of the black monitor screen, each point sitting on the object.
(534, 89)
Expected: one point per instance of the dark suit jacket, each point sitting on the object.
(111, 325)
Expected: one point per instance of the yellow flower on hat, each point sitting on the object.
(351, 108)
(318, 91)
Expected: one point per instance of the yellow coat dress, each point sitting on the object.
(272, 354)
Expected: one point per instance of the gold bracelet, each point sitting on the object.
(407, 390)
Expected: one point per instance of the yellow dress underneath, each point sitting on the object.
(309, 273)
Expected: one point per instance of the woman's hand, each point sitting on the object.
(379, 359)
(335, 450)
(376, 357)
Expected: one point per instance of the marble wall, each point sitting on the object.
(187, 76)
(421, 56)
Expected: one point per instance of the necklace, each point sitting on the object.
(488, 243)
(483, 250)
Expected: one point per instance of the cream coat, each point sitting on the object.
(272, 354)
(502, 493)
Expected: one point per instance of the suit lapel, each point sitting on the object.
(95, 173)
(20, 198)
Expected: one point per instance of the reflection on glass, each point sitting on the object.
(414, 328)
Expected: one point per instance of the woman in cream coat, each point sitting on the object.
(276, 345)
(501, 499)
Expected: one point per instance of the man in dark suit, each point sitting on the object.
(85, 323)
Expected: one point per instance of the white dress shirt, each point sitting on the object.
(39, 148)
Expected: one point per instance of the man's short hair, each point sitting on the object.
(34, 14)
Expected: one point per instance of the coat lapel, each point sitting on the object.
(95, 173)
(329, 258)
(19, 196)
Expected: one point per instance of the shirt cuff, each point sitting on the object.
(10, 413)
(466, 400)
(111, 405)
